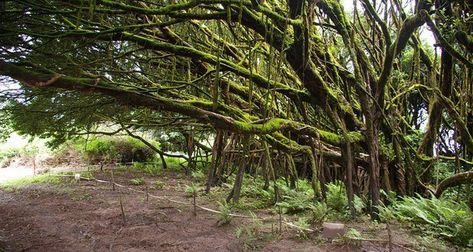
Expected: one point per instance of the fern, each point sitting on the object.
(439, 217)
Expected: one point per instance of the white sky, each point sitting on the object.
(425, 34)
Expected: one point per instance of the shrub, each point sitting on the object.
(7, 155)
(117, 149)
(66, 154)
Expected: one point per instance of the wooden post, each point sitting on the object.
(121, 207)
(390, 242)
(193, 202)
(113, 180)
(147, 194)
(280, 219)
(34, 165)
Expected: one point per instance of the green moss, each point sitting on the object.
(329, 137)
(278, 124)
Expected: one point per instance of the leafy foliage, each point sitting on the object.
(336, 205)
(439, 217)
(225, 211)
(192, 189)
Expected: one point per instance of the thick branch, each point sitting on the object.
(156, 102)
(455, 180)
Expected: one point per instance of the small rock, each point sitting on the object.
(333, 230)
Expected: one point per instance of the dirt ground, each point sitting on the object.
(87, 216)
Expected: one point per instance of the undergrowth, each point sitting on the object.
(301, 201)
(251, 234)
(441, 218)
(225, 211)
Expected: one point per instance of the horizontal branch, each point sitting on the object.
(157, 102)
(455, 180)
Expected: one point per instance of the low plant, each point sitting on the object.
(337, 200)
(158, 184)
(319, 212)
(137, 181)
(352, 238)
(251, 232)
(224, 215)
(442, 217)
(303, 224)
(198, 175)
(192, 189)
(336, 196)
(294, 201)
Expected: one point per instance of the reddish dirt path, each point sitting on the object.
(87, 217)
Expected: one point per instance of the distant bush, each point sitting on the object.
(25, 154)
(65, 154)
(7, 155)
(117, 149)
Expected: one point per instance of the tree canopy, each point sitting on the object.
(352, 95)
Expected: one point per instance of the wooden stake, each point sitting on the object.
(34, 165)
(280, 219)
(193, 202)
(390, 242)
(113, 180)
(121, 207)
(147, 194)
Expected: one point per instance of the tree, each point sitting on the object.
(301, 78)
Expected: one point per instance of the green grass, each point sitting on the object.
(153, 169)
(35, 180)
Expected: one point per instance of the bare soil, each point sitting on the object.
(86, 216)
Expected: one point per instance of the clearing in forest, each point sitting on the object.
(53, 212)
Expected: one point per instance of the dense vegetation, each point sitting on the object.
(291, 91)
